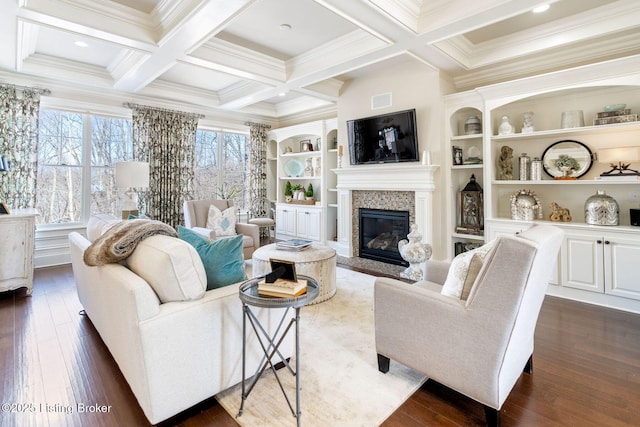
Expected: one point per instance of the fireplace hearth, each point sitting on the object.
(380, 232)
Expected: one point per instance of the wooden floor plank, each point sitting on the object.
(586, 370)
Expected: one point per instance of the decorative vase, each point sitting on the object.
(414, 252)
(572, 119)
(505, 128)
(601, 209)
(527, 122)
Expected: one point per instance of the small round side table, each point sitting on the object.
(270, 344)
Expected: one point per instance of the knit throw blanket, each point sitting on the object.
(119, 241)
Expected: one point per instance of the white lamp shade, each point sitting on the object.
(619, 154)
(132, 175)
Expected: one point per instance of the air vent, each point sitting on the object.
(381, 101)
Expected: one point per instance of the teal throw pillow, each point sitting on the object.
(222, 259)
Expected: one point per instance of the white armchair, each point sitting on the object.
(478, 347)
(196, 213)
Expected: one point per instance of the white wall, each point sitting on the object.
(412, 85)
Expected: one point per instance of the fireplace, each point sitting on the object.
(380, 232)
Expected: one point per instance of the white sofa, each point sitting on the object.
(173, 354)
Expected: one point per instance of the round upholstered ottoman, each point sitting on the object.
(317, 261)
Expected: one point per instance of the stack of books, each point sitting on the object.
(293, 244)
(611, 117)
(282, 288)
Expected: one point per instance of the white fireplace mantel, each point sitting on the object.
(397, 176)
(417, 178)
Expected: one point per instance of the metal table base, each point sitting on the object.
(270, 344)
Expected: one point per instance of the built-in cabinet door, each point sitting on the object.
(14, 262)
(309, 224)
(286, 220)
(621, 258)
(582, 261)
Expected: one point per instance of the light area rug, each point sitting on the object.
(340, 381)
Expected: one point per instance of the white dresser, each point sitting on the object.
(16, 251)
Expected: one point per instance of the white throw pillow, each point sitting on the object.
(98, 224)
(464, 269)
(171, 266)
(222, 222)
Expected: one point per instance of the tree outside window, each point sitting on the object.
(214, 179)
(77, 154)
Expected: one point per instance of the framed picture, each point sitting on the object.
(306, 145)
(286, 270)
(457, 155)
(4, 209)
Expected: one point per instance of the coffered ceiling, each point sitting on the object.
(280, 58)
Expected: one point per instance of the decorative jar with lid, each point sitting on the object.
(414, 252)
(473, 126)
(601, 209)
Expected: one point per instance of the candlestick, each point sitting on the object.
(340, 148)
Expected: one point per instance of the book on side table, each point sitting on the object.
(283, 281)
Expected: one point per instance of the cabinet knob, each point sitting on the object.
(599, 241)
(606, 242)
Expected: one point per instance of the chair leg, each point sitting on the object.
(528, 368)
(383, 364)
(492, 416)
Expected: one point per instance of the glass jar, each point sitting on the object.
(473, 126)
(525, 167)
(536, 169)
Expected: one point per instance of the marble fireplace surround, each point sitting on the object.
(394, 185)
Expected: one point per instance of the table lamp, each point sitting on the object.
(131, 175)
(616, 157)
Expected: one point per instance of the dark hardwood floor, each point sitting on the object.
(586, 370)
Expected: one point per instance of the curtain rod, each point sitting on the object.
(35, 89)
(132, 105)
(258, 124)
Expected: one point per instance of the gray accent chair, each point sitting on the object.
(478, 347)
(195, 218)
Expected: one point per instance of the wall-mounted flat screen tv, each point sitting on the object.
(387, 138)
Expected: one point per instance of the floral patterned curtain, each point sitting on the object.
(19, 111)
(165, 139)
(258, 170)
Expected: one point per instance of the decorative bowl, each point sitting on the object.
(614, 107)
(294, 168)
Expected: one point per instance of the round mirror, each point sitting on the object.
(567, 159)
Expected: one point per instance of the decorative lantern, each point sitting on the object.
(471, 209)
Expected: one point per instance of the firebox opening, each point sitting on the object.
(380, 232)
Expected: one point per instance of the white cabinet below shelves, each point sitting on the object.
(601, 262)
(298, 221)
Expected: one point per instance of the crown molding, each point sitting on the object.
(405, 12)
(69, 71)
(103, 19)
(548, 61)
(220, 55)
(592, 24)
(350, 46)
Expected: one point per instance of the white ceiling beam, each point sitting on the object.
(187, 36)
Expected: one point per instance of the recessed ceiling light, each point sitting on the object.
(285, 27)
(282, 93)
(541, 8)
(81, 44)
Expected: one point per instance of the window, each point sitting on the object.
(67, 191)
(77, 155)
(228, 177)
